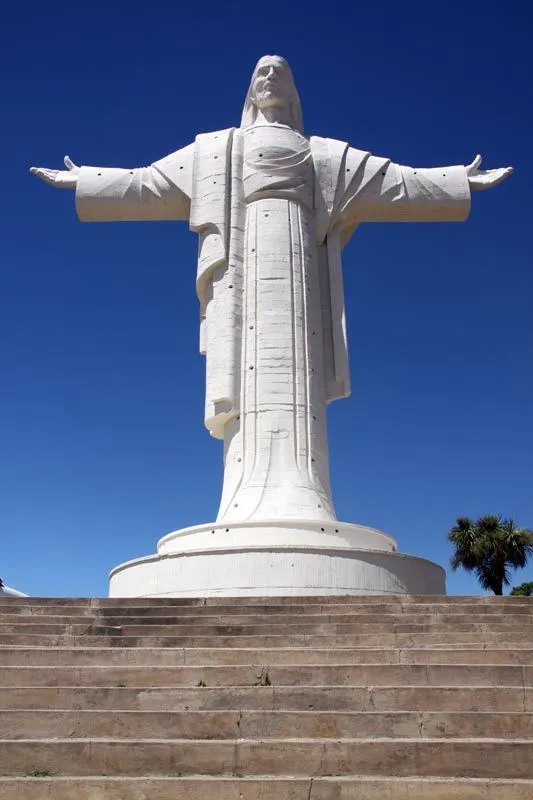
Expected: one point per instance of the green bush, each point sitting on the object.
(524, 590)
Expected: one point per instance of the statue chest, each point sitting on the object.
(277, 163)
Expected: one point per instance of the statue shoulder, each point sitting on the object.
(177, 168)
(211, 153)
(214, 136)
(180, 163)
(335, 147)
(322, 142)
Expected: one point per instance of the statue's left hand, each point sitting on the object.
(62, 179)
(485, 179)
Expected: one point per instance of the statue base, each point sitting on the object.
(275, 558)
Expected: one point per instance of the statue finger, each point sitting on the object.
(502, 175)
(69, 163)
(502, 171)
(472, 168)
(491, 177)
(47, 175)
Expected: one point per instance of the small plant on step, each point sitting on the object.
(201, 684)
(238, 775)
(120, 685)
(39, 773)
(264, 678)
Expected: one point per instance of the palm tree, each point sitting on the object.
(490, 546)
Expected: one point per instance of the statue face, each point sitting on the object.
(272, 85)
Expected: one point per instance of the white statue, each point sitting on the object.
(273, 209)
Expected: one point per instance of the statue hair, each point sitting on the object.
(249, 113)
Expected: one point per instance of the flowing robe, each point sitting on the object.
(273, 210)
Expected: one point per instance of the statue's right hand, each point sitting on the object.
(62, 179)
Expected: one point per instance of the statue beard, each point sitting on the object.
(269, 99)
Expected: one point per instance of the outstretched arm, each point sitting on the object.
(378, 190)
(159, 192)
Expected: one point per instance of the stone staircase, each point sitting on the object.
(285, 698)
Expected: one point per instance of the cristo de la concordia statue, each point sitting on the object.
(273, 209)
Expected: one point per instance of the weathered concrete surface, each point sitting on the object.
(265, 724)
(219, 656)
(280, 675)
(279, 698)
(208, 788)
(306, 699)
(482, 758)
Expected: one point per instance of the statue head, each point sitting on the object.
(272, 85)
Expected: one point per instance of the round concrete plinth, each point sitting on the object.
(271, 559)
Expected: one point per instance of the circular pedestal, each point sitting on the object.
(272, 558)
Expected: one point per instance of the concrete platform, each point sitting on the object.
(276, 558)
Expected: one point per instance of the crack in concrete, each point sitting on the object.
(310, 788)
(320, 768)
(239, 720)
(235, 758)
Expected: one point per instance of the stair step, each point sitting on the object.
(501, 640)
(465, 757)
(333, 608)
(279, 675)
(280, 698)
(113, 656)
(268, 787)
(486, 625)
(299, 617)
(211, 725)
(252, 600)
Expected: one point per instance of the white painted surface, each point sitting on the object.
(237, 572)
(273, 209)
(275, 533)
(276, 557)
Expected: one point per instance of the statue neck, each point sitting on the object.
(279, 115)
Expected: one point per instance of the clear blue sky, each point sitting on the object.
(101, 405)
